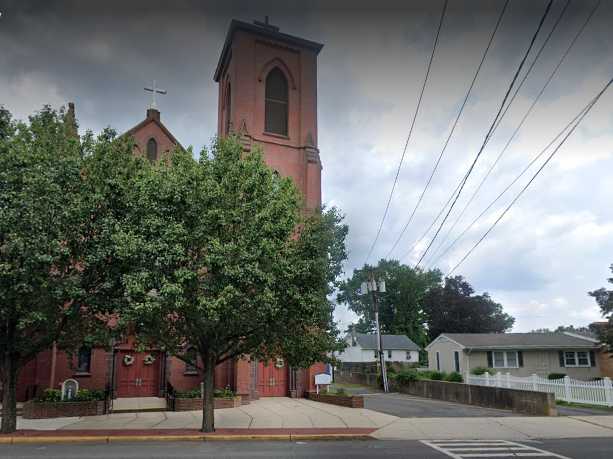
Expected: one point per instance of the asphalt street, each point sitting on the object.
(593, 448)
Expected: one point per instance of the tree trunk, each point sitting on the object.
(208, 413)
(9, 397)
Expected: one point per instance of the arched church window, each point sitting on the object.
(276, 101)
(152, 150)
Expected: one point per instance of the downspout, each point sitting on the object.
(53, 365)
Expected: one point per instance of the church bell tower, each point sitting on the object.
(268, 96)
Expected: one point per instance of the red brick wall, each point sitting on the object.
(353, 401)
(33, 410)
(142, 136)
(246, 71)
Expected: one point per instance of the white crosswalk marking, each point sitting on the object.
(460, 449)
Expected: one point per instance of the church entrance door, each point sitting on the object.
(272, 378)
(138, 374)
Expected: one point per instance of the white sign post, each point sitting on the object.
(322, 379)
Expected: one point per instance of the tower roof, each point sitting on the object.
(264, 30)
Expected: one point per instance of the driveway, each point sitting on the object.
(408, 406)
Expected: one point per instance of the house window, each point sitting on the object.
(505, 359)
(152, 150)
(438, 361)
(389, 354)
(456, 360)
(577, 359)
(276, 103)
(191, 360)
(84, 360)
(408, 355)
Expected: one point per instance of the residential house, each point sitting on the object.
(362, 348)
(520, 354)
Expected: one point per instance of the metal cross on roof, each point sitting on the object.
(154, 90)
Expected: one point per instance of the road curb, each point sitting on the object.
(16, 440)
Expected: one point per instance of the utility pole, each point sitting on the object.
(372, 287)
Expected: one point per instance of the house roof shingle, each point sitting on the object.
(401, 342)
(519, 340)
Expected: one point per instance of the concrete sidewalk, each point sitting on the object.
(265, 413)
(284, 418)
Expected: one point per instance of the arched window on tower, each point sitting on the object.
(152, 150)
(276, 103)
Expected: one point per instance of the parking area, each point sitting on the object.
(408, 406)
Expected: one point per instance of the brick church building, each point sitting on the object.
(267, 96)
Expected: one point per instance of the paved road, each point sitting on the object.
(595, 448)
(407, 406)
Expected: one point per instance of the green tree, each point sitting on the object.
(604, 298)
(226, 262)
(62, 200)
(453, 308)
(39, 218)
(400, 308)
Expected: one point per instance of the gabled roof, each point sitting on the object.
(399, 342)
(517, 340)
(264, 30)
(146, 121)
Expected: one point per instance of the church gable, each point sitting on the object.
(152, 139)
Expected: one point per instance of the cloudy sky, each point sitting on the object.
(555, 244)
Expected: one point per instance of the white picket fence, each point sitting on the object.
(570, 390)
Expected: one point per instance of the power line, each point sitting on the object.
(472, 166)
(440, 156)
(586, 110)
(435, 258)
(515, 180)
(423, 87)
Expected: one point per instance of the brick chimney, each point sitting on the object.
(70, 121)
(153, 114)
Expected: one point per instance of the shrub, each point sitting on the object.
(556, 375)
(83, 395)
(224, 393)
(194, 393)
(436, 375)
(406, 376)
(454, 376)
(478, 371)
(50, 395)
(341, 392)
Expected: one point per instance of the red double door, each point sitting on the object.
(272, 378)
(138, 374)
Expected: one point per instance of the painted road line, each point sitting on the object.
(460, 449)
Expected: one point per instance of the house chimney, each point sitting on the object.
(153, 114)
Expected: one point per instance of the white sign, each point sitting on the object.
(323, 379)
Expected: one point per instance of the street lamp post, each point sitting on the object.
(372, 287)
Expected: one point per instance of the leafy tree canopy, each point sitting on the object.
(222, 257)
(400, 308)
(604, 298)
(453, 308)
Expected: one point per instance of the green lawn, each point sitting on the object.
(584, 405)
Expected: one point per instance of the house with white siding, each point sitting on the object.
(362, 348)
